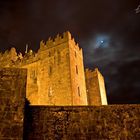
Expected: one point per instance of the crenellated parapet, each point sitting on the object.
(51, 42)
(59, 39)
(75, 44)
(91, 73)
(10, 58)
(28, 59)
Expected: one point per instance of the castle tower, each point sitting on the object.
(57, 77)
(55, 74)
(95, 88)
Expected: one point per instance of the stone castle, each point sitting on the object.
(55, 74)
(66, 102)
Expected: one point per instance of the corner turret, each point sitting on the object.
(95, 87)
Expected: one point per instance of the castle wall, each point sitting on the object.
(12, 100)
(102, 89)
(54, 76)
(77, 74)
(59, 74)
(120, 122)
(95, 88)
(32, 90)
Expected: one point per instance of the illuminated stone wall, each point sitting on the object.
(32, 82)
(115, 122)
(101, 84)
(12, 100)
(79, 95)
(55, 74)
(95, 88)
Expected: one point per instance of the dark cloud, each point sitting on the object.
(128, 79)
(115, 22)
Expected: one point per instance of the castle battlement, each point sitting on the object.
(10, 58)
(59, 39)
(51, 42)
(90, 73)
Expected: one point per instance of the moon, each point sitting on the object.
(102, 41)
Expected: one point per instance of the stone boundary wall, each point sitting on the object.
(12, 102)
(112, 122)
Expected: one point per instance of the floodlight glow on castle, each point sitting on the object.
(56, 75)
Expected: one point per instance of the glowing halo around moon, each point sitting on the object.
(101, 41)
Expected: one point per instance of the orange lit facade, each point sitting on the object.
(55, 74)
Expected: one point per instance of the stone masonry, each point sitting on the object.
(55, 74)
(12, 101)
(111, 122)
(23, 120)
(96, 92)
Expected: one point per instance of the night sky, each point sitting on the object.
(107, 30)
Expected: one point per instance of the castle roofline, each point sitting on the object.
(90, 72)
(58, 39)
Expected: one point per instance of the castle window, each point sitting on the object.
(79, 91)
(49, 54)
(59, 57)
(75, 54)
(54, 59)
(50, 70)
(76, 69)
